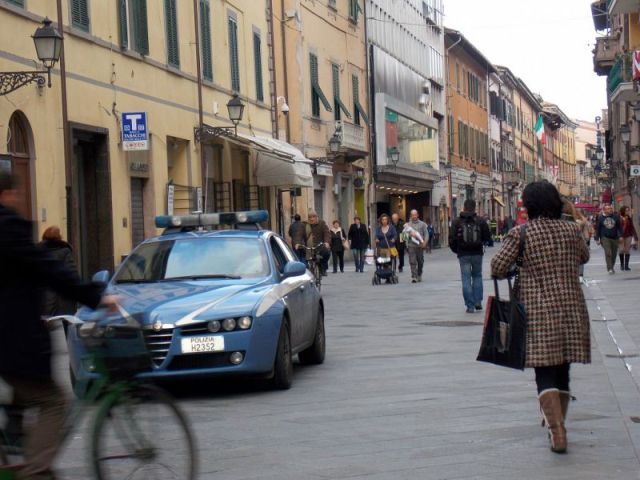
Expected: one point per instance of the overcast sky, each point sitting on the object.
(548, 45)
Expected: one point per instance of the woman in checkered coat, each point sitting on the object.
(549, 287)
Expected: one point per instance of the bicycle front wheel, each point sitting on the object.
(141, 434)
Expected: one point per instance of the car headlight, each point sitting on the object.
(244, 323)
(229, 324)
(214, 326)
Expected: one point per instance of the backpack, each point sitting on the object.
(469, 235)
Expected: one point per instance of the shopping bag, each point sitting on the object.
(368, 256)
(504, 339)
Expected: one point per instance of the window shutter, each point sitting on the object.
(80, 14)
(141, 31)
(315, 99)
(233, 55)
(19, 3)
(335, 75)
(355, 87)
(122, 24)
(173, 46)
(205, 39)
(257, 61)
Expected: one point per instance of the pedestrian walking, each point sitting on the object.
(338, 240)
(359, 242)
(25, 343)
(629, 235)
(386, 235)
(299, 233)
(52, 242)
(608, 233)
(431, 231)
(398, 224)
(415, 248)
(320, 235)
(548, 287)
(571, 214)
(469, 234)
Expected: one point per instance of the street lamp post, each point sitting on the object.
(48, 44)
(334, 144)
(394, 155)
(474, 178)
(448, 168)
(235, 107)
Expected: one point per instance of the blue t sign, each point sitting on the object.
(134, 131)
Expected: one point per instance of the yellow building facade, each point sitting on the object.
(321, 77)
(177, 65)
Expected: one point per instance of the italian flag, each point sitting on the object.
(539, 128)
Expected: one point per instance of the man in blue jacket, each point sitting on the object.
(607, 233)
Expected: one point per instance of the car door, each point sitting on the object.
(292, 293)
(309, 297)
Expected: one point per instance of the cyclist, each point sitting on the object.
(25, 344)
(320, 234)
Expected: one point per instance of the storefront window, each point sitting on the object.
(417, 143)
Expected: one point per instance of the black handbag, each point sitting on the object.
(504, 339)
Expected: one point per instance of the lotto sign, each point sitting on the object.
(134, 131)
(635, 171)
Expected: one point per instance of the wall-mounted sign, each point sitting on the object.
(324, 170)
(171, 190)
(635, 171)
(135, 135)
(636, 65)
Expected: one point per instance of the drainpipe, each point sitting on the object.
(371, 93)
(446, 57)
(196, 25)
(283, 30)
(71, 202)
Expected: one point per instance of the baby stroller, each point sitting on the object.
(385, 268)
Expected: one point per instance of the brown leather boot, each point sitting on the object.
(565, 400)
(552, 411)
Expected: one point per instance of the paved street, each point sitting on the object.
(402, 397)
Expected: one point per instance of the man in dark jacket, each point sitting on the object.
(299, 231)
(359, 241)
(398, 224)
(25, 344)
(320, 234)
(469, 234)
(607, 233)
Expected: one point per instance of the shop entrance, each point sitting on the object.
(92, 201)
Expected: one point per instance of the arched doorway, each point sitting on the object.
(19, 143)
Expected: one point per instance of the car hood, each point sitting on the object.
(183, 302)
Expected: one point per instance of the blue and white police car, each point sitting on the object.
(213, 302)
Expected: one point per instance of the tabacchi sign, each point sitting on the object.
(135, 135)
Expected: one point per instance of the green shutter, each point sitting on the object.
(205, 39)
(257, 61)
(140, 26)
(19, 3)
(122, 24)
(80, 14)
(171, 21)
(233, 54)
(317, 95)
(354, 10)
(355, 87)
(338, 105)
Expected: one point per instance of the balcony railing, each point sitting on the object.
(604, 55)
(620, 73)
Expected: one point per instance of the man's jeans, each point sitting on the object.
(610, 246)
(358, 258)
(471, 270)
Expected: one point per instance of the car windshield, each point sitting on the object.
(195, 259)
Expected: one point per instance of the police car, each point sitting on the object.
(215, 302)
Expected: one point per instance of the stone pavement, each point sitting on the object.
(401, 395)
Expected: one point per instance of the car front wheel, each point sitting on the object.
(283, 364)
(314, 355)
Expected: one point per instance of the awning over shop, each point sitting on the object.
(498, 201)
(278, 164)
(586, 206)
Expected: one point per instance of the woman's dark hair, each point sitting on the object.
(542, 199)
(384, 215)
(623, 210)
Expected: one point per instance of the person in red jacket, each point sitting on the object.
(628, 233)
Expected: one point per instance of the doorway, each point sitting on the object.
(92, 201)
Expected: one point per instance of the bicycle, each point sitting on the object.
(125, 442)
(314, 261)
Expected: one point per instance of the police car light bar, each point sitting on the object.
(210, 219)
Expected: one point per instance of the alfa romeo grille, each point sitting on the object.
(158, 343)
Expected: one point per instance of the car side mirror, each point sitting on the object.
(101, 277)
(294, 269)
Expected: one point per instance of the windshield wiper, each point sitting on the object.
(132, 280)
(202, 277)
